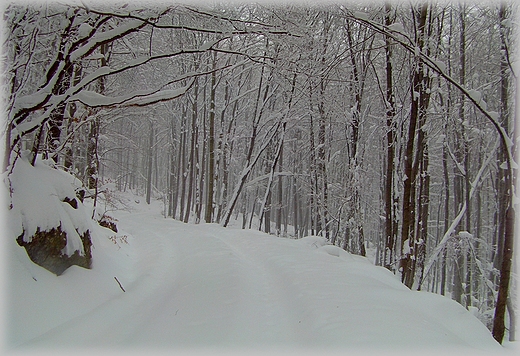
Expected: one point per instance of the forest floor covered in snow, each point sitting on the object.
(207, 288)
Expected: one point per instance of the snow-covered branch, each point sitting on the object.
(137, 98)
(260, 28)
(472, 95)
(442, 244)
(266, 141)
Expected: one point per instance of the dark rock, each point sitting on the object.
(80, 194)
(46, 246)
(72, 202)
(108, 222)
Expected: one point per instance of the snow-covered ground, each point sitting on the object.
(207, 288)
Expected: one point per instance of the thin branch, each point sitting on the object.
(120, 286)
(149, 22)
(434, 65)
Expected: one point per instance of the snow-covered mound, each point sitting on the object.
(189, 287)
(44, 198)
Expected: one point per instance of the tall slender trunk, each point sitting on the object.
(208, 217)
(149, 168)
(57, 117)
(355, 207)
(183, 171)
(446, 176)
(172, 183)
(223, 149)
(93, 135)
(390, 219)
(265, 208)
(417, 113)
(279, 205)
(313, 206)
(92, 156)
(506, 221)
(191, 162)
(68, 156)
(458, 179)
(200, 166)
(446, 214)
(296, 214)
(297, 217)
(321, 154)
(424, 203)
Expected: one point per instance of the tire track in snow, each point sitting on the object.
(281, 298)
(242, 308)
(180, 318)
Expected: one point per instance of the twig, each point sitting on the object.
(120, 286)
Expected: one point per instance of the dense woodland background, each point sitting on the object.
(388, 128)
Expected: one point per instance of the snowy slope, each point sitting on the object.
(202, 286)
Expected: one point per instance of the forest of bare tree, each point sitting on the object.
(388, 128)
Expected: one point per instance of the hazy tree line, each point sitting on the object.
(387, 128)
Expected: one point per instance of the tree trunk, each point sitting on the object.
(416, 115)
(355, 207)
(149, 168)
(458, 179)
(210, 176)
(507, 222)
(92, 145)
(390, 220)
(68, 159)
(424, 204)
(92, 158)
(445, 170)
(321, 154)
(191, 162)
(446, 214)
(314, 214)
(296, 215)
(505, 276)
(200, 167)
(279, 207)
(265, 212)
(183, 170)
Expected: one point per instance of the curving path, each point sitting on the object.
(205, 286)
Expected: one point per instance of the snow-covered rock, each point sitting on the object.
(47, 218)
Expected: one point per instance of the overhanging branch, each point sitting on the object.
(436, 67)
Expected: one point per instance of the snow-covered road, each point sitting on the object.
(205, 286)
